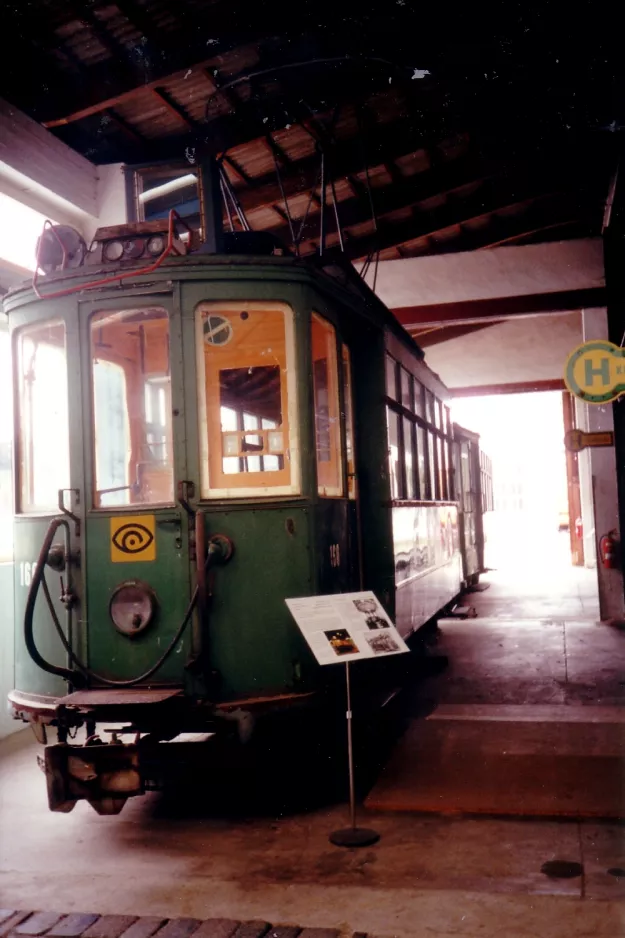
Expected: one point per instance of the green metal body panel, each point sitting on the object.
(28, 535)
(112, 654)
(254, 648)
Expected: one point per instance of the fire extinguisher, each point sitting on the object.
(579, 528)
(607, 549)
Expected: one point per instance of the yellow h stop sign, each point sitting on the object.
(595, 372)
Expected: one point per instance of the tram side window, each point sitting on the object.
(392, 420)
(43, 441)
(419, 435)
(391, 377)
(348, 404)
(132, 422)
(434, 493)
(326, 404)
(409, 459)
(422, 471)
(246, 399)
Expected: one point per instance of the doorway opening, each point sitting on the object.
(535, 567)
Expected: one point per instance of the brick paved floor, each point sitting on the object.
(22, 924)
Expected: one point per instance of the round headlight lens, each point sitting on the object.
(156, 245)
(134, 248)
(113, 250)
(132, 607)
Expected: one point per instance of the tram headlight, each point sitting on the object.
(132, 607)
(156, 245)
(134, 248)
(113, 250)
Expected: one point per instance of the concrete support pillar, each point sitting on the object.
(600, 509)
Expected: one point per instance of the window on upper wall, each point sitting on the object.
(43, 420)
(247, 399)
(158, 189)
(326, 407)
(132, 420)
(348, 404)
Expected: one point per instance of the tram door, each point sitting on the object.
(48, 461)
(137, 530)
(336, 516)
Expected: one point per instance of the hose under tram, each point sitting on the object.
(87, 674)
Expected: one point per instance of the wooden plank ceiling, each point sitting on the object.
(441, 129)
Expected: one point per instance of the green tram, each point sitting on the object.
(198, 438)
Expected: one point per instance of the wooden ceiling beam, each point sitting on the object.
(446, 333)
(125, 127)
(494, 193)
(346, 161)
(455, 212)
(174, 108)
(176, 51)
(542, 215)
(473, 312)
(121, 54)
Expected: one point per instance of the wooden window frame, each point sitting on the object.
(209, 492)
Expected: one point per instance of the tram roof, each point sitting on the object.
(444, 128)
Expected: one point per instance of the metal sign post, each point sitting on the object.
(347, 627)
(352, 836)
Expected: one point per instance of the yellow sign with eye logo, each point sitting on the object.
(133, 537)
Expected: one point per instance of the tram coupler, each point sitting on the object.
(105, 775)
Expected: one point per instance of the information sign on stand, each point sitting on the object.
(347, 627)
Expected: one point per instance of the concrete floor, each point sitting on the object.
(428, 876)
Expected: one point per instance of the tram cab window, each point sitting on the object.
(247, 406)
(326, 405)
(43, 437)
(132, 422)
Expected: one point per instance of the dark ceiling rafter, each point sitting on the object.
(339, 70)
(453, 213)
(537, 217)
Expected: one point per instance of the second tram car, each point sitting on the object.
(198, 438)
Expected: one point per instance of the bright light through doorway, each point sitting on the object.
(20, 226)
(524, 436)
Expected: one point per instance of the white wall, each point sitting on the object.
(491, 273)
(518, 350)
(36, 160)
(40, 171)
(111, 199)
